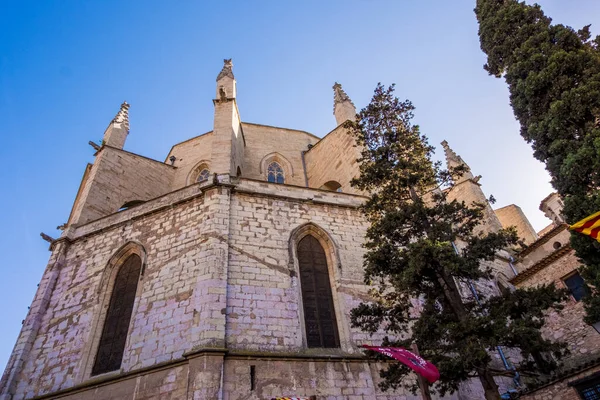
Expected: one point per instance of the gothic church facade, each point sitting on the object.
(228, 271)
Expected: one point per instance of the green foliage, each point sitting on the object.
(410, 255)
(553, 74)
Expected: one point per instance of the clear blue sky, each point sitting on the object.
(66, 66)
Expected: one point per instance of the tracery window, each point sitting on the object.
(203, 175)
(275, 173)
(317, 299)
(118, 316)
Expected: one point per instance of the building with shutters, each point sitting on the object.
(226, 271)
(549, 259)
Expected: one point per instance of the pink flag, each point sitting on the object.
(422, 367)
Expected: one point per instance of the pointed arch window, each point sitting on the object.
(317, 299)
(203, 175)
(118, 317)
(275, 173)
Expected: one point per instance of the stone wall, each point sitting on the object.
(213, 376)
(469, 191)
(325, 379)
(263, 143)
(543, 247)
(218, 271)
(266, 143)
(189, 155)
(117, 177)
(566, 325)
(264, 299)
(334, 158)
(560, 390)
(512, 215)
(180, 296)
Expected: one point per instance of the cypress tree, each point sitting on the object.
(553, 75)
(410, 255)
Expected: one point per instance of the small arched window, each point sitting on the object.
(317, 299)
(130, 204)
(275, 173)
(118, 316)
(333, 186)
(203, 175)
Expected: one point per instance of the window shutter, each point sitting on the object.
(317, 299)
(118, 316)
(576, 286)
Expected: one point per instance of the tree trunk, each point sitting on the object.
(452, 294)
(489, 386)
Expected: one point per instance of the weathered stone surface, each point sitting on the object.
(219, 294)
(512, 215)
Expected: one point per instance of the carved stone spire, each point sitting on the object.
(227, 69)
(343, 108)
(453, 160)
(468, 189)
(117, 130)
(228, 136)
(226, 89)
(122, 116)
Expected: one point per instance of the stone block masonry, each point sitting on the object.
(219, 294)
(219, 274)
(116, 178)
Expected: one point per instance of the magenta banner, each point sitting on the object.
(421, 366)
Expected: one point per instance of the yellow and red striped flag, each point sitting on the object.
(588, 226)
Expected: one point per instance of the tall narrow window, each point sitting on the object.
(319, 314)
(118, 316)
(275, 173)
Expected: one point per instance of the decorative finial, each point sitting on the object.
(122, 116)
(453, 160)
(227, 69)
(339, 96)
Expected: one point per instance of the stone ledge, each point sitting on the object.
(189, 193)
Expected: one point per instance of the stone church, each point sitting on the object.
(228, 271)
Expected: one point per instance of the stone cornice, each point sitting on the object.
(191, 192)
(543, 263)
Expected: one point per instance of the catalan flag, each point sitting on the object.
(588, 226)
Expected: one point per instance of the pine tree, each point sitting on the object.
(410, 255)
(553, 75)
